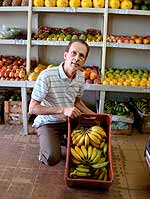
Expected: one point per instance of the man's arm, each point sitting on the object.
(36, 108)
(82, 107)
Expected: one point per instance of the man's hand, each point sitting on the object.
(72, 112)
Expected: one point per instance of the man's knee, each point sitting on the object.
(51, 159)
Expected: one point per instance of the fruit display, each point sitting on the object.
(70, 3)
(91, 75)
(130, 4)
(143, 105)
(127, 77)
(134, 39)
(116, 108)
(66, 34)
(37, 70)
(12, 68)
(13, 3)
(12, 33)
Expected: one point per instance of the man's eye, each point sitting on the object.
(73, 53)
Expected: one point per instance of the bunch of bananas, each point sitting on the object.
(93, 135)
(91, 159)
(116, 108)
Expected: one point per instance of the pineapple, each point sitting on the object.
(98, 3)
(74, 3)
(62, 3)
(86, 3)
(50, 3)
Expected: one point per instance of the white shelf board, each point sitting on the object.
(68, 9)
(131, 89)
(126, 45)
(13, 8)
(30, 84)
(13, 41)
(9, 83)
(62, 43)
(129, 12)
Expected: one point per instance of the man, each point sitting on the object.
(56, 96)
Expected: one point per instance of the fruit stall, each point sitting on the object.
(117, 32)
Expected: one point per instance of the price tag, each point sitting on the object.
(125, 11)
(18, 41)
(69, 9)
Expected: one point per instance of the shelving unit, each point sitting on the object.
(100, 51)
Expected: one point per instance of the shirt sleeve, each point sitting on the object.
(41, 87)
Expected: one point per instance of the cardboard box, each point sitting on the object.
(88, 120)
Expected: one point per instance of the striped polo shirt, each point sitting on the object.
(54, 89)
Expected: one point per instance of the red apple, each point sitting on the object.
(97, 81)
(88, 81)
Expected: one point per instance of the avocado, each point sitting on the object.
(144, 7)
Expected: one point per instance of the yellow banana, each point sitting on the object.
(84, 150)
(94, 138)
(75, 154)
(75, 161)
(94, 144)
(94, 152)
(97, 157)
(89, 151)
(81, 141)
(96, 134)
(87, 140)
(76, 140)
(99, 130)
(79, 151)
(75, 131)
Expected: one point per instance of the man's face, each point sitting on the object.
(76, 56)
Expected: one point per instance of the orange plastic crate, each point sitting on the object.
(105, 121)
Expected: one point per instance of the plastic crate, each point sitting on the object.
(105, 121)
(12, 112)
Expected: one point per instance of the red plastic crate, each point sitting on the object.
(105, 121)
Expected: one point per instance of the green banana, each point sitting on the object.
(83, 169)
(100, 165)
(101, 176)
(94, 152)
(102, 144)
(98, 156)
(82, 174)
(105, 148)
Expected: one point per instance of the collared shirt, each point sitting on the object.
(54, 89)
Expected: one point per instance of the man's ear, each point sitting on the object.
(65, 55)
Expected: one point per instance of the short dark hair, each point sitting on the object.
(80, 41)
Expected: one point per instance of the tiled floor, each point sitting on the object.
(23, 177)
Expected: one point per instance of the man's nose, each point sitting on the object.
(77, 57)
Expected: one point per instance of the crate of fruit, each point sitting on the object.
(88, 159)
(141, 108)
(122, 117)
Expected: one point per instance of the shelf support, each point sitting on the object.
(24, 110)
(101, 101)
